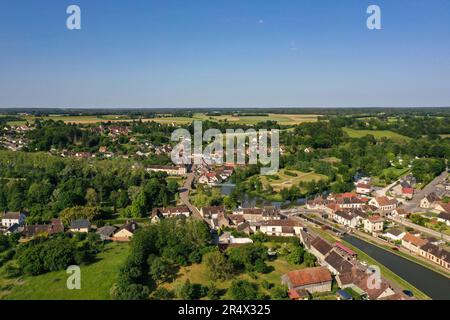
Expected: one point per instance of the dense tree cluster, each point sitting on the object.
(46, 185)
(156, 251)
(43, 255)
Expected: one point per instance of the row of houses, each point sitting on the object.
(358, 218)
(426, 249)
(434, 203)
(339, 262)
(211, 176)
(352, 200)
(170, 170)
(14, 222)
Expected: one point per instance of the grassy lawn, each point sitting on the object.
(96, 279)
(378, 134)
(287, 181)
(197, 274)
(394, 172)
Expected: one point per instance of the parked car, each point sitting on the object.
(408, 293)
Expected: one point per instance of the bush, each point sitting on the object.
(162, 294)
(244, 290)
(279, 293)
(10, 270)
(185, 291)
(213, 292)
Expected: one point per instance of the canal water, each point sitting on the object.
(249, 201)
(433, 284)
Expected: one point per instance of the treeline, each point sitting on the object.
(42, 254)
(59, 135)
(407, 125)
(281, 110)
(45, 185)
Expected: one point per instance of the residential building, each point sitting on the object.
(212, 212)
(337, 264)
(394, 234)
(280, 228)
(320, 248)
(363, 188)
(345, 218)
(106, 232)
(170, 212)
(413, 243)
(408, 192)
(170, 170)
(374, 224)
(442, 207)
(429, 201)
(384, 203)
(359, 281)
(435, 254)
(444, 217)
(221, 220)
(400, 212)
(55, 226)
(125, 232)
(258, 214)
(313, 280)
(11, 218)
(80, 225)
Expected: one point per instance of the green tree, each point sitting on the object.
(218, 267)
(243, 290)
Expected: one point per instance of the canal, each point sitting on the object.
(433, 284)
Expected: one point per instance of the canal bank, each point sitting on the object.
(433, 284)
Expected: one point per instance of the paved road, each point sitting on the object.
(184, 196)
(408, 223)
(413, 205)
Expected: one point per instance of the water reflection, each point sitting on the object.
(249, 201)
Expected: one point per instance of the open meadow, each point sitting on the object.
(97, 279)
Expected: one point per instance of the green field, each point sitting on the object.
(96, 280)
(378, 134)
(282, 119)
(287, 181)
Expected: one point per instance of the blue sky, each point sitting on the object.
(224, 53)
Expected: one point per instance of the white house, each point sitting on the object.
(12, 218)
(444, 217)
(373, 224)
(400, 212)
(363, 188)
(394, 234)
(384, 203)
(280, 228)
(429, 201)
(413, 243)
(345, 218)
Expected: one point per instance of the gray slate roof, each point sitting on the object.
(80, 224)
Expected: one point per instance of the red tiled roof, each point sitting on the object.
(407, 190)
(309, 276)
(418, 242)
